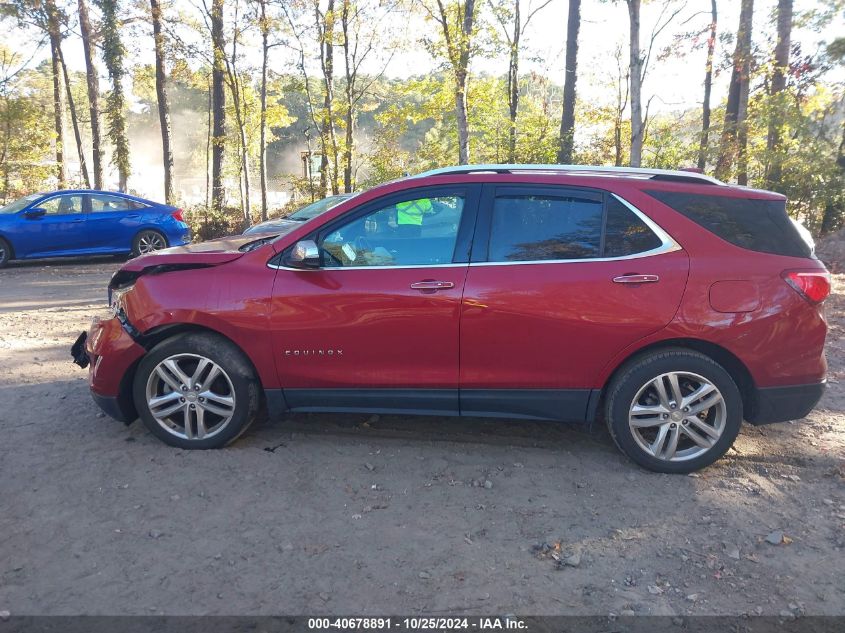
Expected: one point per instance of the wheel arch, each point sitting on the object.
(152, 337)
(733, 365)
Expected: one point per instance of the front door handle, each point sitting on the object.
(636, 279)
(431, 285)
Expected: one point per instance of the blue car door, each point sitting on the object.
(113, 221)
(61, 229)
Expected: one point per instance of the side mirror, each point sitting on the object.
(34, 214)
(305, 255)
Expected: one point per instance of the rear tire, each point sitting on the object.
(148, 241)
(196, 391)
(5, 252)
(673, 411)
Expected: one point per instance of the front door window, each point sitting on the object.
(419, 232)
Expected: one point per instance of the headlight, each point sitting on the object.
(116, 298)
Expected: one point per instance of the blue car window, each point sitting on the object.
(106, 204)
(62, 205)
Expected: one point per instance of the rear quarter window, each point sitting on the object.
(757, 225)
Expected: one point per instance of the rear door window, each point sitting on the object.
(542, 227)
(105, 204)
(625, 232)
(758, 225)
(547, 225)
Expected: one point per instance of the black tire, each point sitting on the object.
(238, 380)
(5, 252)
(145, 237)
(633, 377)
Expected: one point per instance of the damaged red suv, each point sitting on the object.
(666, 303)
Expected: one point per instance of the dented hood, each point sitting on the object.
(210, 253)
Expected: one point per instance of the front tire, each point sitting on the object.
(5, 252)
(196, 391)
(673, 411)
(147, 242)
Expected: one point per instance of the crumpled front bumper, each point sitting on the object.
(110, 353)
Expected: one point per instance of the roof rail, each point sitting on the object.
(635, 172)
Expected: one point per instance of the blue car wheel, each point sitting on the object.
(5, 252)
(147, 242)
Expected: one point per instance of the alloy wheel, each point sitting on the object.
(149, 242)
(190, 396)
(677, 416)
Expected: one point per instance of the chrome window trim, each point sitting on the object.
(667, 245)
(269, 265)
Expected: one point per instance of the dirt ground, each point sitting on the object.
(356, 515)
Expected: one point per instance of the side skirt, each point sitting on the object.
(565, 405)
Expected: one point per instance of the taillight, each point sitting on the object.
(814, 286)
(177, 215)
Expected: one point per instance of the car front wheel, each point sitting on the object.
(196, 391)
(674, 411)
(5, 252)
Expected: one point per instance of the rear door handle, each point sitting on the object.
(636, 279)
(430, 284)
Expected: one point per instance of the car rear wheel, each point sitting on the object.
(5, 252)
(147, 242)
(196, 391)
(673, 411)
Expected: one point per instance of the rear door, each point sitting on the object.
(113, 221)
(376, 326)
(564, 279)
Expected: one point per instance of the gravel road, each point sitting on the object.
(357, 514)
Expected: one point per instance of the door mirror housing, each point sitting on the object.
(305, 255)
(34, 214)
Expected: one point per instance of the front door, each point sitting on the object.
(376, 326)
(555, 292)
(61, 230)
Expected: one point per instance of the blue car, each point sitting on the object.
(83, 222)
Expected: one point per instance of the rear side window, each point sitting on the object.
(104, 204)
(535, 228)
(758, 225)
(562, 227)
(625, 233)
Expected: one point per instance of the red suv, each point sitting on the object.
(667, 303)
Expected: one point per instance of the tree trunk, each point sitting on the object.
(513, 82)
(781, 67)
(218, 108)
(737, 105)
(349, 141)
(567, 120)
(93, 85)
(708, 84)
(461, 76)
(163, 103)
(83, 165)
(54, 31)
(328, 130)
(636, 64)
(262, 152)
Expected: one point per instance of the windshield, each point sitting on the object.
(316, 208)
(22, 203)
